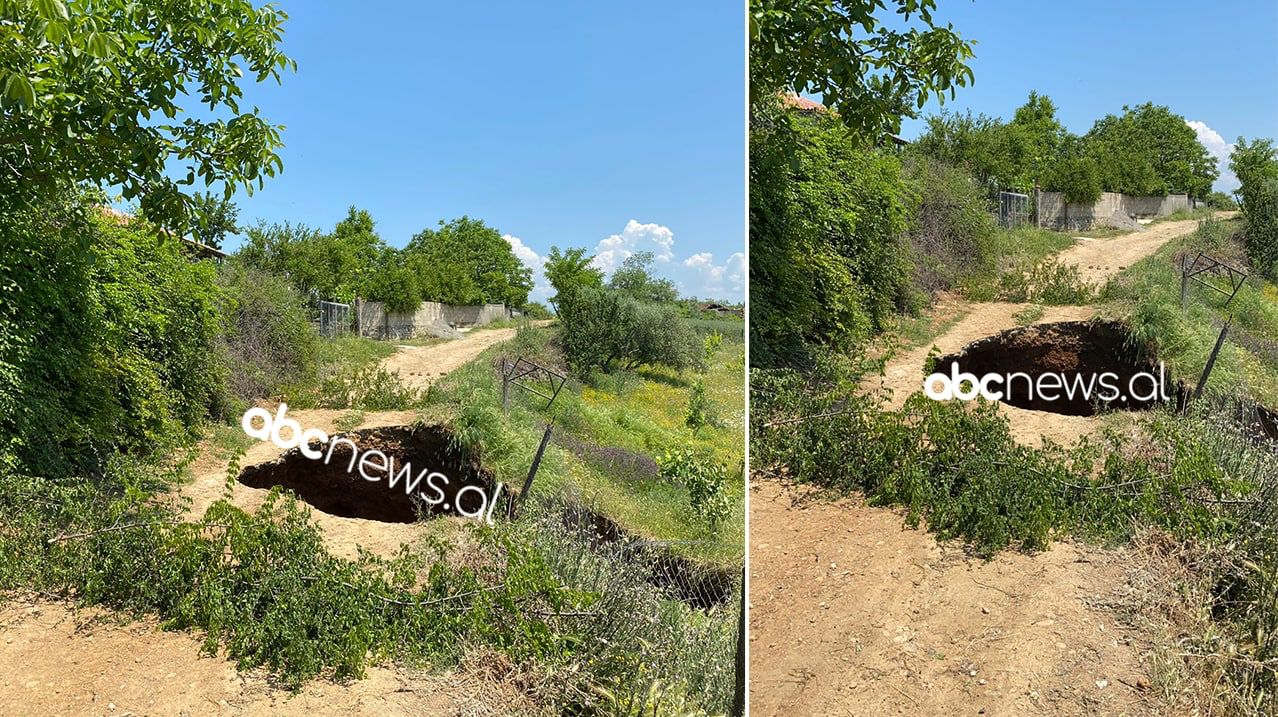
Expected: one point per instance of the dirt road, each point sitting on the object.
(55, 661)
(851, 613)
(420, 366)
(1097, 260)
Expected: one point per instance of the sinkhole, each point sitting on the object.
(1099, 365)
(335, 485)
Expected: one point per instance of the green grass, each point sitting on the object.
(909, 331)
(638, 412)
(1147, 294)
(350, 353)
(1015, 250)
(1028, 315)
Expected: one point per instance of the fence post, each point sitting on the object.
(532, 473)
(505, 387)
(1211, 360)
(739, 691)
(1184, 284)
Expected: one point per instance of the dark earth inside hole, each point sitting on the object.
(1075, 349)
(331, 488)
(702, 586)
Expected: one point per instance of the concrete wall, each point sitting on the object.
(430, 318)
(1055, 213)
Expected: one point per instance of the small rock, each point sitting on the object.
(985, 611)
(1102, 684)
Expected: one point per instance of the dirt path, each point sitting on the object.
(55, 661)
(851, 613)
(1097, 260)
(420, 366)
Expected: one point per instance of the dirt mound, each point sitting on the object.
(1118, 220)
(336, 482)
(1096, 355)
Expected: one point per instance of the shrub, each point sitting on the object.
(703, 478)
(107, 338)
(1221, 201)
(602, 329)
(700, 411)
(952, 230)
(1256, 165)
(1048, 282)
(370, 388)
(828, 261)
(266, 334)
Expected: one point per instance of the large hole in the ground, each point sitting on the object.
(334, 483)
(1098, 364)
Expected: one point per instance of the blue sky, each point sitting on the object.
(1216, 64)
(613, 126)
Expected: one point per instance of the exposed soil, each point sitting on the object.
(56, 661)
(1097, 261)
(852, 613)
(702, 586)
(336, 484)
(1078, 351)
(420, 366)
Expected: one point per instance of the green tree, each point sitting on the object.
(1256, 165)
(1040, 138)
(570, 271)
(92, 92)
(634, 278)
(1149, 150)
(870, 74)
(465, 261)
(214, 218)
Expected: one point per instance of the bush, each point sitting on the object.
(952, 229)
(1221, 201)
(1256, 165)
(1048, 282)
(828, 261)
(602, 329)
(703, 478)
(266, 334)
(108, 337)
(700, 410)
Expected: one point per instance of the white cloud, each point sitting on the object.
(1220, 149)
(633, 239)
(697, 275)
(541, 288)
(700, 276)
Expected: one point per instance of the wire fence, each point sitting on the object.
(335, 319)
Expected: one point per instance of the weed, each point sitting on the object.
(1029, 315)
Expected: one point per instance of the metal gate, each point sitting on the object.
(334, 319)
(1013, 210)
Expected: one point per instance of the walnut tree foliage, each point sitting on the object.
(870, 74)
(100, 92)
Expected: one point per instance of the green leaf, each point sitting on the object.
(51, 9)
(20, 88)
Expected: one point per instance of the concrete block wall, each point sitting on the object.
(1055, 213)
(376, 322)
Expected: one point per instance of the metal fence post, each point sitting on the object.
(1211, 360)
(532, 473)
